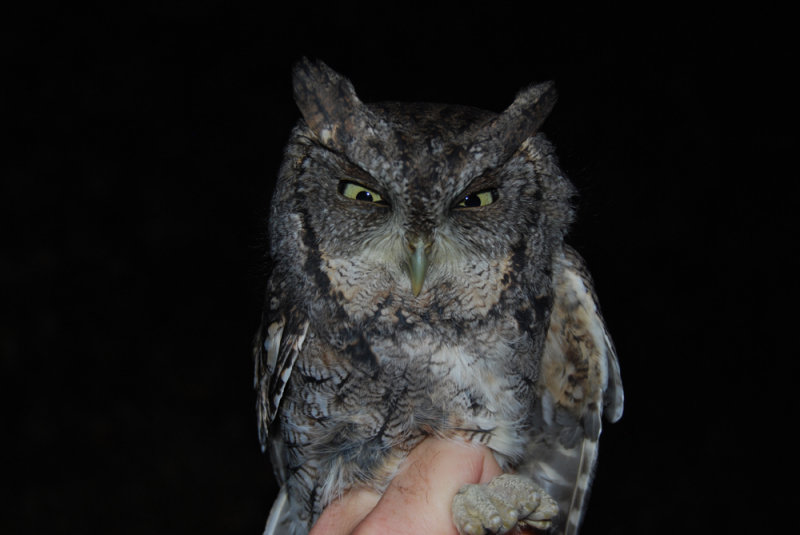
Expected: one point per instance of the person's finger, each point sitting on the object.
(418, 499)
(343, 515)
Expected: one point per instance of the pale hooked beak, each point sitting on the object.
(418, 251)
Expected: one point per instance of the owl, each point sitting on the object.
(421, 287)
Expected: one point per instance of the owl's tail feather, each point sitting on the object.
(277, 513)
(565, 473)
(284, 518)
(582, 486)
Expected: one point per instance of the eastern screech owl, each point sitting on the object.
(421, 286)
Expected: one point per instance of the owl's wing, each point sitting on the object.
(278, 342)
(579, 382)
(277, 345)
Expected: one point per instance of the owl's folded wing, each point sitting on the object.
(277, 345)
(579, 382)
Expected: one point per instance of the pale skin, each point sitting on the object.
(419, 497)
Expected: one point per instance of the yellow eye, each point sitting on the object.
(357, 192)
(481, 198)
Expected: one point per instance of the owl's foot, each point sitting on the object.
(505, 502)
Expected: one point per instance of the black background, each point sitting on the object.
(144, 142)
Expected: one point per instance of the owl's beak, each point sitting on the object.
(418, 251)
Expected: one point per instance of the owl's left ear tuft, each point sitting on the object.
(327, 101)
(535, 103)
(529, 110)
(522, 119)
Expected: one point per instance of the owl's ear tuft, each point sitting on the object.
(328, 102)
(522, 119)
(532, 106)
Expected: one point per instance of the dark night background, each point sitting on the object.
(144, 142)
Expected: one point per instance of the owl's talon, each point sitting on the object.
(502, 504)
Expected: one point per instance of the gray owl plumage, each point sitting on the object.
(421, 287)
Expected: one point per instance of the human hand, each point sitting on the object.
(418, 499)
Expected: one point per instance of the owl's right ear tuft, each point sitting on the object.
(327, 101)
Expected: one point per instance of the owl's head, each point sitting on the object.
(417, 195)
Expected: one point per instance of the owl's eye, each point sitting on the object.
(480, 198)
(357, 192)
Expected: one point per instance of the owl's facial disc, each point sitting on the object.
(418, 252)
